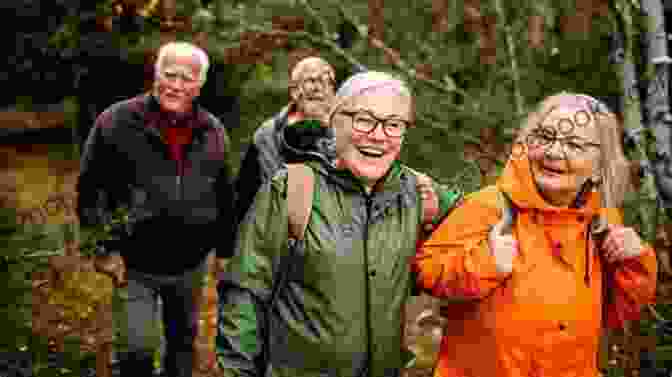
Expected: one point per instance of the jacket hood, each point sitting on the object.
(517, 182)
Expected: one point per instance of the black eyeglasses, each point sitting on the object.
(364, 121)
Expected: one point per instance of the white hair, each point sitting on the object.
(184, 49)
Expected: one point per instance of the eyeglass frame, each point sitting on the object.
(171, 75)
(352, 114)
(564, 141)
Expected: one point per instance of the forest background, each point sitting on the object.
(476, 67)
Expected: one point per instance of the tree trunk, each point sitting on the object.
(657, 106)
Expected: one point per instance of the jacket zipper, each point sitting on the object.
(367, 293)
(178, 179)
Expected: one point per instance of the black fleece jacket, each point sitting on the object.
(179, 210)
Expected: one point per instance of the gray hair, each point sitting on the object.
(367, 81)
(184, 49)
(613, 164)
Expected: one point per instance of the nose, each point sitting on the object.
(310, 86)
(378, 133)
(554, 150)
(177, 83)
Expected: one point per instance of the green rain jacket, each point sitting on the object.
(341, 312)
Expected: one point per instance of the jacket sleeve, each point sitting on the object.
(249, 276)
(96, 190)
(226, 225)
(248, 182)
(631, 284)
(455, 263)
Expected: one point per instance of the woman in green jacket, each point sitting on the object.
(340, 311)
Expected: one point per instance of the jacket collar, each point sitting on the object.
(391, 183)
(154, 117)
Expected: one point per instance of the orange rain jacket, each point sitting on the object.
(543, 319)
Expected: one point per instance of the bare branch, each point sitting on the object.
(402, 65)
(320, 20)
(511, 50)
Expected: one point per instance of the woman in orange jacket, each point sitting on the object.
(533, 302)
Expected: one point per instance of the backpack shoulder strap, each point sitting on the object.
(429, 210)
(300, 187)
(508, 208)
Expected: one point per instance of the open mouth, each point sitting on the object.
(371, 152)
(551, 170)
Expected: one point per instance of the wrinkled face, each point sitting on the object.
(564, 152)
(370, 155)
(177, 83)
(312, 88)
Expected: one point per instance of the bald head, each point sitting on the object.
(311, 87)
(311, 64)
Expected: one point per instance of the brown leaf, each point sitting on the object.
(577, 24)
(288, 23)
(472, 16)
(440, 16)
(472, 151)
(376, 20)
(488, 39)
(424, 71)
(535, 31)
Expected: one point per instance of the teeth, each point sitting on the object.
(370, 151)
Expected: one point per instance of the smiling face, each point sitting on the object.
(369, 156)
(564, 152)
(177, 83)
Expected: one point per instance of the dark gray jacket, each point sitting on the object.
(273, 145)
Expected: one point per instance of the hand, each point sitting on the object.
(621, 243)
(504, 248)
(429, 197)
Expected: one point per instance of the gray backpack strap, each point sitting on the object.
(300, 187)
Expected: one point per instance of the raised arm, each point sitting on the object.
(455, 263)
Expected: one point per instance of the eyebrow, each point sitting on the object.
(384, 116)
